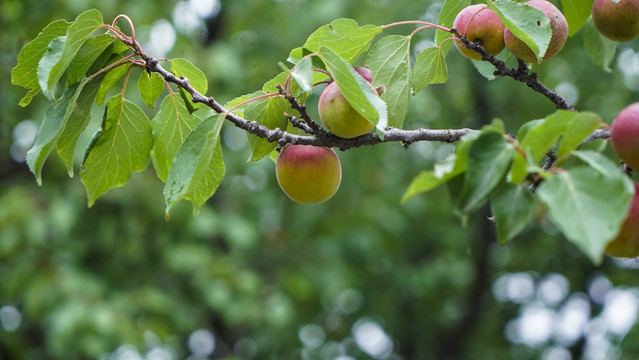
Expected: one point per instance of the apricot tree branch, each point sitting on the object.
(521, 74)
(329, 140)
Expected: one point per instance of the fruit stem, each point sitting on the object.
(426, 25)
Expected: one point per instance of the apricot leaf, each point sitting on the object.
(121, 147)
(170, 126)
(577, 13)
(389, 62)
(588, 204)
(430, 68)
(150, 87)
(600, 49)
(198, 168)
(513, 207)
(270, 113)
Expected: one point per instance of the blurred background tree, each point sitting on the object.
(256, 276)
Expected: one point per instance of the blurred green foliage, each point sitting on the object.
(254, 268)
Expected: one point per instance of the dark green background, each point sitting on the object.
(254, 268)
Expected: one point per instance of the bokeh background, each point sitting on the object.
(256, 276)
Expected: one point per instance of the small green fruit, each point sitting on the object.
(626, 243)
(617, 21)
(338, 115)
(624, 135)
(558, 26)
(479, 24)
(308, 174)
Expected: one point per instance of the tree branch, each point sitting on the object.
(327, 139)
(521, 74)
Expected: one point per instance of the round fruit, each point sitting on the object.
(624, 135)
(617, 21)
(626, 244)
(338, 115)
(558, 26)
(366, 73)
(308, 174)
(479, 25)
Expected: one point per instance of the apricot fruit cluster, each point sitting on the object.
(481, 25)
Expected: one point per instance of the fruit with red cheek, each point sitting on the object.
(558, 26)
(308, 174)
(479, 24)
(617, 21)
(624, 135)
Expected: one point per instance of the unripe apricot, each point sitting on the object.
(624, 135)
(481, 25)
(626, 243)
(308, 174)
(617, 21)
(338, 115)
(558, 26)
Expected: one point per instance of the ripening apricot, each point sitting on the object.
(558, 26)
(308, 174)
(624, 135)
(618, 21)
(338, 115)
(480, 25)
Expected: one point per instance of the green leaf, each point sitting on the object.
(150, 87)
(600, 49)
(588, 206)
(121, 147)
(111, 78)
(50, 130)
(269, 112)
(87, 55)
(77, 122)
(171, 125)
(577, 13)
(25, 73)
(389, 62)
(303, 74)
(527, 23)
(443, 171)
(197, 79)
(447, 15)
(198, 168)
(83, 26)
(513, 207)
(581, 126)
(46, 64)
(355, 89)
(488, 160)
(345, 37)
(541, 137)
(430, 68)
(598, 162)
